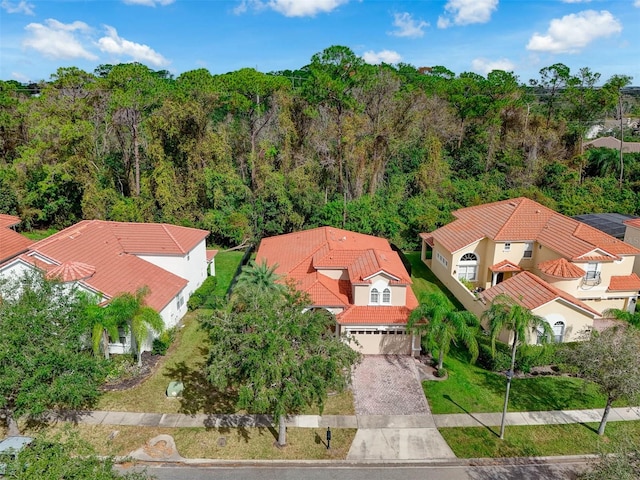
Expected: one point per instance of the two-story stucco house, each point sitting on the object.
(562, 270)
(109, 258)
(358, 278)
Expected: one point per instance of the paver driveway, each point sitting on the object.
(388, 385)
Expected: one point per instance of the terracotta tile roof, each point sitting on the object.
(561, 268)
(71, 271)
(374, 315)
(107, 247)
(12, 244)
(211, 255)
(505, 266)
(532, 292)
(521, 219)
(301, 254)
(634, 222)
(624, 283)
(8, 220)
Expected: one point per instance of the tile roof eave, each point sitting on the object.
(588, 310)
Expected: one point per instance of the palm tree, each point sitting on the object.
(506, 314)
(261, 276)
(104, 328)
(129, 310)
(442, 324)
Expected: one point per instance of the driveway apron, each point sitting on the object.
(394, 419)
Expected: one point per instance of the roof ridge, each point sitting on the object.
(166, 229)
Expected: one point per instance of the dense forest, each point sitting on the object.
(379, 149)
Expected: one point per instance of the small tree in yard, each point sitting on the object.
(43, 362)
(442, 324)
(623, 463)
(280, 356)
(507, 314)
(611, 360)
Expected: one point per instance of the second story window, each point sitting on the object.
(528, 250)
(386, 296)
(507, 247)
(375, 296)
(592, 276)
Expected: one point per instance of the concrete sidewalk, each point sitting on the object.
(356, 421)
(553, 417)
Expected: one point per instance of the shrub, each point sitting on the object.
(163, 342)
(441, 372)
(203, 294)
(498, 362)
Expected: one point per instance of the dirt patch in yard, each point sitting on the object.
(136, 375)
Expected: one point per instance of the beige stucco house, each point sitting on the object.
(562, 270)
(356, 277)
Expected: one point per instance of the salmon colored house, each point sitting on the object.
(559, 268)
(356, 277)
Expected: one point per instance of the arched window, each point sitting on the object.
(558, 332)
(375, 296)
(468, 267)
(386, 296)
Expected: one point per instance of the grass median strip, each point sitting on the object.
(539, 440)
(220, 443)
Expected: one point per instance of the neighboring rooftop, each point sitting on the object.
(11, 242)
(522, 219)
(609, 223)
(102, 255)
(612, 142)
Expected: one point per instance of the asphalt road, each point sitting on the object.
(540, 471)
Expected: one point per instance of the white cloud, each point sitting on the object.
(571, 33)
(291, 8)
(484, 65)
(20, 77)
(58, 40)
(407, 26)
(21, 7)
(636, 3)
(465, 12)
(149, 3)
(116, 45)
(383, 56)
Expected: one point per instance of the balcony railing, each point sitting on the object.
(591, 278)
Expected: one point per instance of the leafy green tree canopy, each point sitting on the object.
(281, 356)
(44, 364)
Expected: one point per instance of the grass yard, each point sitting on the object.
(226, 266)
(36, 235)
(217, 443)
(472, 389)
(424, 281)
(540, 440)
(186, 360)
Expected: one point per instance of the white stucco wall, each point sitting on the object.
(192, 266)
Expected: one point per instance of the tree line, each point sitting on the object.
(380, 149)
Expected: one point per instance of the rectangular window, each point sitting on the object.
(467, 272)
(441, 259)
(507, 247)
(528, 250)
(180, 301)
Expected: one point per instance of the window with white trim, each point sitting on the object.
(468, 267)
(507, 247)
(179, 301)
(528, 250)
(558, 332)
(441, 259)
(386, 295)
(375, 296)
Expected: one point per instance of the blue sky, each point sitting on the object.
(38, 37)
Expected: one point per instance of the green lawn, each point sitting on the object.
(424, 281)
(226, 265)
(36, 235)
(186, 361)
(469, 388)
(541, 440)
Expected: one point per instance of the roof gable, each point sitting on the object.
(521, 219)
(105, 247)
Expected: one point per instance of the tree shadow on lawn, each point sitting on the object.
(199, 396)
